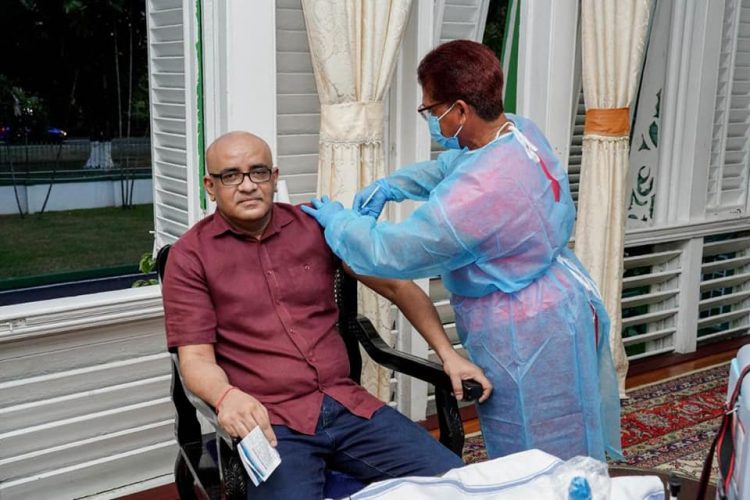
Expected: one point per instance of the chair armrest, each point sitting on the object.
(408, 364)
(203, 408)
(449, 418)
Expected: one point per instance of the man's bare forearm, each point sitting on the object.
(417, 307)
(238, 413)
(202, 376)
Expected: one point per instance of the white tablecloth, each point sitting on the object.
(527, 475)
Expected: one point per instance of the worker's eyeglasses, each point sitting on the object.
(258, 175)
(424, 111)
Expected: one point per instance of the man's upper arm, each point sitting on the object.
(188, 309)
(387, 287)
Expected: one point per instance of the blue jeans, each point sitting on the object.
(386, 446)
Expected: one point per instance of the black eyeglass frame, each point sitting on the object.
(423, 110)
(266, 174)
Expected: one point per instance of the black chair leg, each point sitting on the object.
(449, 420)
(183, 478)
(234, 476)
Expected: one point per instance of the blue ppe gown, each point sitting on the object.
(495, 225)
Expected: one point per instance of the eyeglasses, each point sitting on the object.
(258, 175)
(424, 111)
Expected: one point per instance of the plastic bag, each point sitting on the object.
(582, 478)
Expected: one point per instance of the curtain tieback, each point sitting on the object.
(352, 122)
(612, 122)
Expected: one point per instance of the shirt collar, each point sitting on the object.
(280, 217)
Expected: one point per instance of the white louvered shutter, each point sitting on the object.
(650, 288)
(728, 171)
(576, 148)
(172, 61)
(298, 105)
(460, 19)
(656, 276)
(724, 307)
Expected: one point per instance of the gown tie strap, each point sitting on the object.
(531, 152)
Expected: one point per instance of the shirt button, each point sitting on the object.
(269, 273)
(291, 330)
(307, 268)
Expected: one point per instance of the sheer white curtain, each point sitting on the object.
(614, 37)
(354, 46)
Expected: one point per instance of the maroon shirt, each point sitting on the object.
(268, 307)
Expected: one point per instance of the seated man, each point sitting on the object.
(248, 298)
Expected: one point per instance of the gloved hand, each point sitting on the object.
(322, 209)
(378, 193)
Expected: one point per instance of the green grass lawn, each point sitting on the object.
(95, 240)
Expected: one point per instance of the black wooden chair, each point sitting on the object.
(209, 460)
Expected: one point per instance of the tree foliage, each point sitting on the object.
(495, 29)
(85, 62)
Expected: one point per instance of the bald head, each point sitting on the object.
(232, 162)
(233, 144)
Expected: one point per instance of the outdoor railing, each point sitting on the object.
(75, 160)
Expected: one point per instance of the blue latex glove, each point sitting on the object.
(323, 209)
(371, 199)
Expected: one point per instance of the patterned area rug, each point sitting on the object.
(667, 426)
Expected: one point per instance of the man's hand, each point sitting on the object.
(458, 368)
(322, 210)
(239, 413)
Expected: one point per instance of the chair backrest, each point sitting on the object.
(345, 290)
(282, 192)
(187, 427)
(161, 261)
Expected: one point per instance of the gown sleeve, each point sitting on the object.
(416, 181)
(445, 233)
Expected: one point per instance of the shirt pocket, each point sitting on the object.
(311, 283)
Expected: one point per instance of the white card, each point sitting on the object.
(258, 456)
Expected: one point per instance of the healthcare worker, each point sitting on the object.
(495, 225)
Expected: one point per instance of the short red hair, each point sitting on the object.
(465, 70)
